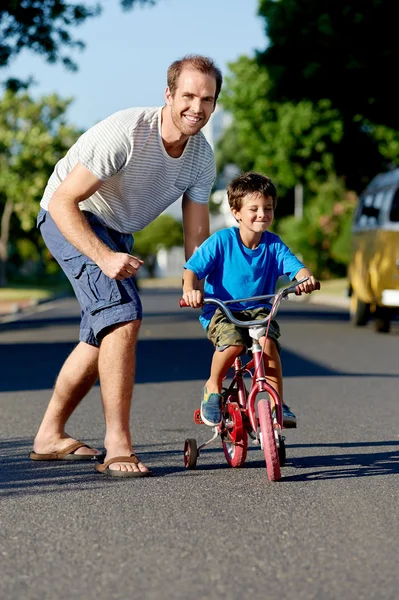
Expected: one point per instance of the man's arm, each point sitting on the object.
(195, 225)
(79, 185)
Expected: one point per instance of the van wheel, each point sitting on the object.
(382, 323)
(359, 311)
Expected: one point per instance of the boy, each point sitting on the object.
(239, 263)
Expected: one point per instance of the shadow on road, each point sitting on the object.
(21, 476)
(343, 466)
(328, 466)
(338, 466)
(35, 366)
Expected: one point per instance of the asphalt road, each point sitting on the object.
(327, 531)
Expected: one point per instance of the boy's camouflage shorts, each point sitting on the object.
(222, 333)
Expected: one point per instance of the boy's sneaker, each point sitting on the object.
(289, 419)
(211, 408)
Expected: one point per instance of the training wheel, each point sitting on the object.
(282, 452)
(190, 453)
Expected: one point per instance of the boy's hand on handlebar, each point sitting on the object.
(194, 298)
(309, 286)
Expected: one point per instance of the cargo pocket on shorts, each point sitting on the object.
(96, 290)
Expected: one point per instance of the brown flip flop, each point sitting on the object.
(67, 454)
(105, 470)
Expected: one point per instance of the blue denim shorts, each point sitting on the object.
(104, 302)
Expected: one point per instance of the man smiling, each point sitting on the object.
(116, 179)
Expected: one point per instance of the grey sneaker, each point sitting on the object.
(211, 408)
(289, 419)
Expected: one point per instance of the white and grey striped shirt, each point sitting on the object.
(126, 152)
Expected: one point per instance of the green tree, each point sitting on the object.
(335, 49)
(163, 233)
(343, 52)
(290, 142)
(323, 237)
(44, 27)
(33, 137)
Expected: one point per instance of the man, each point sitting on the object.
(118, 177)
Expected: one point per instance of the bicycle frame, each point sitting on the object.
(259, 384)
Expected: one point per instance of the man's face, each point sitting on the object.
(193, 101)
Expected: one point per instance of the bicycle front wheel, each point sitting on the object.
(268, 440)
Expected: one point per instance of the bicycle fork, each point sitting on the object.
(262, 386)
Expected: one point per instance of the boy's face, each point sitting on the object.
(256, 213)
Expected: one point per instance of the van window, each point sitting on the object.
(369, 210)
(394, 214)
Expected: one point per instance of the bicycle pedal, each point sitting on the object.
(197, 417)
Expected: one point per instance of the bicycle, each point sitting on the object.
(240, 419)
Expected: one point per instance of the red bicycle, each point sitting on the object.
(248, 414)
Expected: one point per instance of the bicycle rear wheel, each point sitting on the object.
(234, 437)
(268, 440)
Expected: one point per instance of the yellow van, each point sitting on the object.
(374, 268)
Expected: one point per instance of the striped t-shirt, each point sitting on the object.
(141, 180)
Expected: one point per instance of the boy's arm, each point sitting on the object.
(192, 295)
(308, 286)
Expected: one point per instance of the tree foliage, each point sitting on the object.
(313, 108)
(323, 237)
(343, 51)
(45, 27)
(289, 142)
(33, 137)
(299, 141)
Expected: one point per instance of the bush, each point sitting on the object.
(322, 239)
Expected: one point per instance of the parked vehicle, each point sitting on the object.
(374, 268)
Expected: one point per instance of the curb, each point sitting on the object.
(326, 300)
(10, 310)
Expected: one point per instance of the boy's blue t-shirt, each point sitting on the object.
(234, 271)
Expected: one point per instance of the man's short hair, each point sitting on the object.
(203, 64)
(250, 183)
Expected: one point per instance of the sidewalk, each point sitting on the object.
(15, 307)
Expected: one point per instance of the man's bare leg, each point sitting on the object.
(77, 376)
(117, 363)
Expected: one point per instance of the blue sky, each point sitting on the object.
(127, 53)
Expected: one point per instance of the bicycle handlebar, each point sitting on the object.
(283, 293)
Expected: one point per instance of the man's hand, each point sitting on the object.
(118, 265)
(193, 298)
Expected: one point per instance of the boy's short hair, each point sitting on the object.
(250, 183)
(203, 64)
